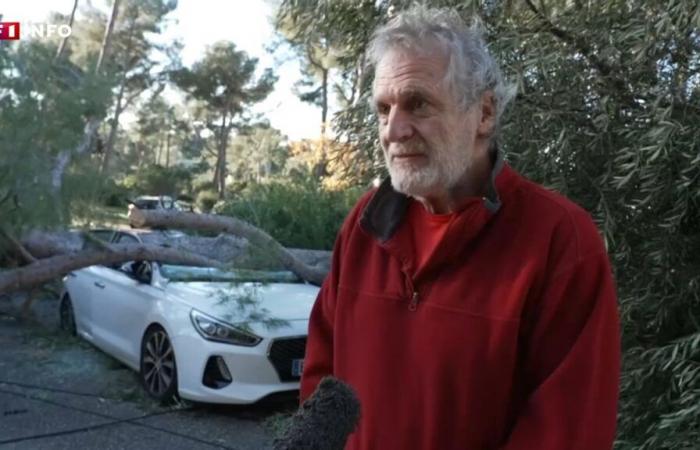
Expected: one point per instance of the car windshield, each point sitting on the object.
(192, 273)
(147, 204)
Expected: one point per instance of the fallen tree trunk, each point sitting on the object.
(234, 251)
(57, 253)
(46, 269)
(165, 218)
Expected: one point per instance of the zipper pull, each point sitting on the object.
(413, 305)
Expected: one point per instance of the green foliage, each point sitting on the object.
(222, 84)
(159, 180)
(257, 154)
(607, 113)
(43, 105)
(203, 185)
(297, 213)
(206, 200)
(115, 194)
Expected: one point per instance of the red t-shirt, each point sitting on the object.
(427, 230)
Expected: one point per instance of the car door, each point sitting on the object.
(82, 286)
(121, 316)
(78, 284)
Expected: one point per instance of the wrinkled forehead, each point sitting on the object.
(398, 66)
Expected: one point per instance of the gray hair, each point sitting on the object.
(471, 70)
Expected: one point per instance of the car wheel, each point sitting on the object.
(67, 315)
(158, 369)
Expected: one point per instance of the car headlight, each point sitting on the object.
(215, 330)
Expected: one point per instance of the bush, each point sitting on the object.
(298, 214)
(206, 200)
(115, 194)
(159, 180)
(203, 185)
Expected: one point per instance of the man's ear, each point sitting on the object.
(487, 123)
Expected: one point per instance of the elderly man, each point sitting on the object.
(468, 307)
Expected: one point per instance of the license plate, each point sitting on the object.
(297, 367)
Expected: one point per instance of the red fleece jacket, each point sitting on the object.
(508, 338)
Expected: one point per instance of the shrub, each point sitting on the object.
(298, 214)
(206, 200)
(115, 194)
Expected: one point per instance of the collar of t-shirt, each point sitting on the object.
(427, 230)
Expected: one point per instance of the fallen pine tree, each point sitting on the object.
(50, 255)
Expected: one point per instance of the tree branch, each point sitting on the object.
(44, 270)
(601, 66)
(220, 224)
(17, 246)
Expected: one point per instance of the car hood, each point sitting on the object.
(247, 302)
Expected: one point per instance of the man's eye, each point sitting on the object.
(416, 104)
(382, 109)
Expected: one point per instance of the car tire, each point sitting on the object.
(66, 315)
(158, 371)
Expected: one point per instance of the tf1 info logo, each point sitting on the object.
(10, 31)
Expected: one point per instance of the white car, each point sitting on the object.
(154, 202)
(202, 333)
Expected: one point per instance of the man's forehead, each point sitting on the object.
(407, 73)
(394, 62)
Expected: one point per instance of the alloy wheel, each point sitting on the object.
(158, 370)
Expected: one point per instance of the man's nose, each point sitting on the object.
(398, 127)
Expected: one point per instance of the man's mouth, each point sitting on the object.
(408, 156)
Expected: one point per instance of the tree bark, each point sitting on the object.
(324, 101)
(64, 41)
(64, 156)
(107, 39)
(47, 269)
(119, 107)
(58, 253)
(221, 224)
(167, 150)
(220, 170)
(90, 131)
(114, 127)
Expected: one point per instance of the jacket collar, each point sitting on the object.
(387, 207)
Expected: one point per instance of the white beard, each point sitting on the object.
(444, 169)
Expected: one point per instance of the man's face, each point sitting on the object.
(428, 140)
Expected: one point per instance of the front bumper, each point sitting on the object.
(253, 373)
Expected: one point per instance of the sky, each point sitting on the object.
(199, 23)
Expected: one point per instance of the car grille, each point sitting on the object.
(282, 352)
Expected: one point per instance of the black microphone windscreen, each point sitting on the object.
(324, 421)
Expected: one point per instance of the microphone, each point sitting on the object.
(324, 421)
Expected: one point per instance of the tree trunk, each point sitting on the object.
(64, 156)
(114, 127)
(47, 269)
(220, 171)
(140, 151)
(167, 150)
(324, 101)
(90, 131)
(107, 39)
(221, 186)
(58, 253)
(159, 151)
(222, 224)
(119, 107)
(64, 41)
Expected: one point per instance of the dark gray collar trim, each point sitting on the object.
(387, 207)
(492, 201)
(384, 212)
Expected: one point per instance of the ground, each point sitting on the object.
(58, 392)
